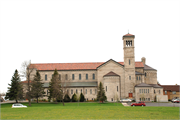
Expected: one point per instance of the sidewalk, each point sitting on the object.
(125, 104)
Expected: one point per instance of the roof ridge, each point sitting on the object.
(67, 63)
(81, 62)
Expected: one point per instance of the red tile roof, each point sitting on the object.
(171, 87)
(74, 66)
(25, 81)
(128, 35)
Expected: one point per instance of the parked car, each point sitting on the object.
(172, 100)
(18, 105)
(138, 104)
(125, 100)
(176, 101)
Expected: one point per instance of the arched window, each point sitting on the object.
(71, 91)
(93, 76)
(86, 76)
(129, 77)
(66, 77)
(45, 77)
(72, 76)
(129, 61)
(79, 76)
(139, 78)
(59, 76)
(145, 74)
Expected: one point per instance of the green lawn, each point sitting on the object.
(87, 111)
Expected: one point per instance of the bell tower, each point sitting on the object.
(129, 65)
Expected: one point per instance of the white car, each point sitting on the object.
(126, 100)
(174, 99)
(18, 105)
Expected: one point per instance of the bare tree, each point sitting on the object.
(2, 94)
(116, 98)
(78, 97)
(26, 70)
(64, 89)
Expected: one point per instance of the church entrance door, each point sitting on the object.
(130, 95)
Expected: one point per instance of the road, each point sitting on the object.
(161, 104)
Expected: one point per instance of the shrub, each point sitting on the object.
(169, 99)
(74, 98)
(82, 99)
(67, 98)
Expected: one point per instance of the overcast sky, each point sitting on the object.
(68, 31)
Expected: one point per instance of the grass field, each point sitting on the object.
(87, 111)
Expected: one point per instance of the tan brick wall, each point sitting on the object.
(89, 94)
(140, 70)
(151, 77)
(129, 68)
(69, 73)
(141, 79)
(114, 67)
(144, 95)
(111, 83)
(147, 95)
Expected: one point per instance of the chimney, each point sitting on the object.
(143, 59)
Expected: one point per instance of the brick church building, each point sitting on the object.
(127, 79)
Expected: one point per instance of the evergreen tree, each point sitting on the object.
(74, 98)
(55, 87)
(15, 91)
(37, 86)
(66, 98)
(82, 98)
(101, 93)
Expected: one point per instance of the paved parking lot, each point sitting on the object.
(161, 104)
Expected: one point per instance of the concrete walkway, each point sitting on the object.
(125, 104)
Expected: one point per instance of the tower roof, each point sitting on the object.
(129, 35)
